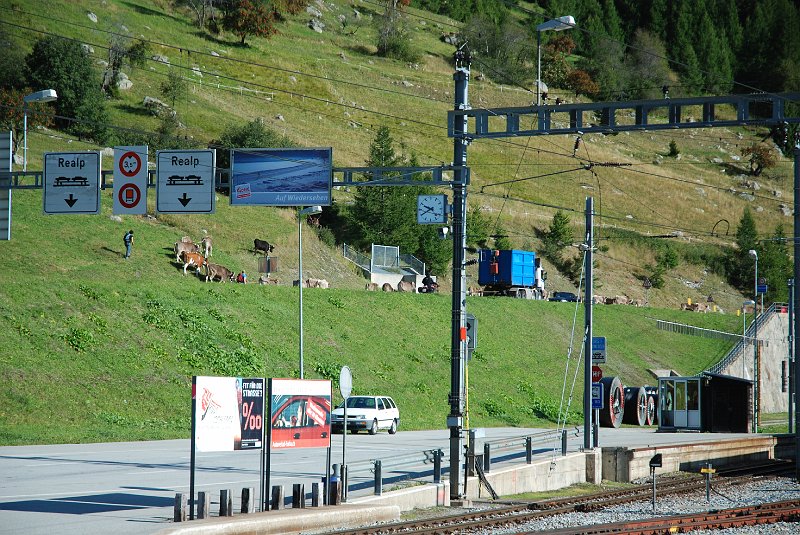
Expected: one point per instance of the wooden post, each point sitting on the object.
(180, 508)
(225, 502)
(277, 497)
(204, 505)
(248, 500)
(298, 496)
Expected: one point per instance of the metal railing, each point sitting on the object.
(356, 257)
(412, 263)
(742, 344)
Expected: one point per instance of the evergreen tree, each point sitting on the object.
(740, 265)
(557, 237)
(657, 19)
(776, 266)
(648, 68)
(715, 62)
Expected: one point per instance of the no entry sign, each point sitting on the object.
(130, 180)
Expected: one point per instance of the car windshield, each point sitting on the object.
(360, 403)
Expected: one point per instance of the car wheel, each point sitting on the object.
(393, 428)
(374, 429)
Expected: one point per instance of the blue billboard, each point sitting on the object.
(281, 177)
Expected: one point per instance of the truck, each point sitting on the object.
(512, 273)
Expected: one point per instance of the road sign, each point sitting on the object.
(71, 183)
(345, 382)
(761, 289)
(597, 374)
(598, 349)
(597, 396)
(130, 180)
(185, 181)
(472, 331)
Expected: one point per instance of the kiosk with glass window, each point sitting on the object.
(709, 402)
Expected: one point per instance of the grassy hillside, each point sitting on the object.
(98, 348)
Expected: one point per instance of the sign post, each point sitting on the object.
(130, 180)
(345, 388)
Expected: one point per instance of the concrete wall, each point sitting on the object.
(538, 476)
(774, 332)
(627, 464)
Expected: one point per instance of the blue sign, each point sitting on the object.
(281, 177)
(597, 396)
(761, 289)
(599, 349)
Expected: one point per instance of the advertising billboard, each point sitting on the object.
(300, 413)
(228, 413)
(281, 177)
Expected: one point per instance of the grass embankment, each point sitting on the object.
(95, 348)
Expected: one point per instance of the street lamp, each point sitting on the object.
(745, 304)
(46, 95)
(754, 255)
(305, 211)
(561, 23)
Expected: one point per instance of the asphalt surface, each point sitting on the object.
(129, 487)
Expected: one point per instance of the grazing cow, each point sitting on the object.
(317, 283)
(296, 282)
(184, 247)
(186, 239)
(206, 244)
(406, 286)
(387, 287)
(214, 271)
(263, 279)
(192, 259)
(261, 245)
(371, 287)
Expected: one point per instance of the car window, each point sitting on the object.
(360, 403)
(391, 403)
(380, 404)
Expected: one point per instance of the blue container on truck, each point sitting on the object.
(508, 270)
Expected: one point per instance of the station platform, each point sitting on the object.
(623, 455)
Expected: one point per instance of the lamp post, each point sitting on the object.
(745, 304)
(305, 211)
(46, 95)
(754, 255)
(561, 23)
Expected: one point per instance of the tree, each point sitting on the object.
(761, 157)
(63, 65)
(250, 17)
(252, 134)
(775, 265)
(504, 50)
(555, 67)
(174, 87)
(557, 237)
(501, 239)
(120, 52)
(647, 64)
(394, 39)
(478, 228)
(12, 114)
(12, 62)
(739, 264)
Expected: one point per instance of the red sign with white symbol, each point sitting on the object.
(130, 180)
(597, 374)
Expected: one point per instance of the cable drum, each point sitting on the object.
(635, 406)
(652, 392)
(651, 411)
(614, 407)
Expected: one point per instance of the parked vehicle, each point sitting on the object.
(565, 297)
(512, 273)
(369, 413)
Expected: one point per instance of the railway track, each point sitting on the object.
(509, 514)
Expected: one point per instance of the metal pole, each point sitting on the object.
(744, 340)
(755, 351)
(587, 352)
(538, 68)
(300, 283)
(791, 357)
(796, 328)
(25, 143)
(458, 344)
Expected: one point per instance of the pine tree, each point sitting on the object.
(740, 265)
(776, 266)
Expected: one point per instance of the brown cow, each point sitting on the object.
(406, 286)
(371, 287)
(387, 287)
(192, 259)
(184, 246)
(216, 271)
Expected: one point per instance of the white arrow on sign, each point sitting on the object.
(185, 181)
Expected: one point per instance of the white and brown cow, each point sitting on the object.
(192, 259)
(317, 283)
(406, 286)
(184, 247)
(214, 271)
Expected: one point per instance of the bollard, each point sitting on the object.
(487, 459)
(180, 508)
(333, 489)
(528, 450)
(470, 457)
(248, 500)
(316, 495)
(437, 466)
(344, 483)
(204, 505)
(298, 496)
(378, 478)
(277, 498)
(564, 442)
(225, 502)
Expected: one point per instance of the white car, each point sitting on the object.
(369, 413)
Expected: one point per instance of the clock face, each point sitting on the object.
(431, 209)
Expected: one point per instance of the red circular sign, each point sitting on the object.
(597, 374)
(130, 164)
(129, 195)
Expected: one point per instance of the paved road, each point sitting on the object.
(129, 487)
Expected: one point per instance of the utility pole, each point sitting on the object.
(458, 348)
(790, 363)
(587, 344)
(795, 328)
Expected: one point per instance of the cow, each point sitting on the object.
(182, 247)
(216, 271)
(387, 287)
(406, 286)
(261, 245)
(263, 279)
(371, 287)
(192, 259)
(296, 282)
(186, 239)
(206, 244)
(317, 283)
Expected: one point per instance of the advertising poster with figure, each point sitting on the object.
(300, 413)
(228, 413)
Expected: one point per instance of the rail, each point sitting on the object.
(413, 263)
(356, 257)
(741, 345)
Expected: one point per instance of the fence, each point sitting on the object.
(741, 345)
(359, 259)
